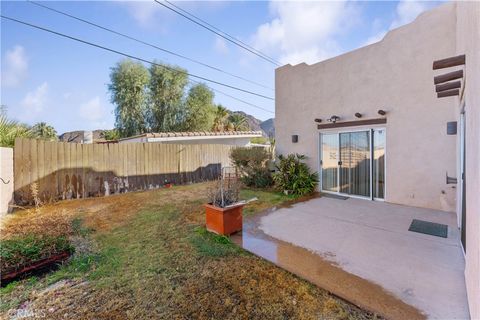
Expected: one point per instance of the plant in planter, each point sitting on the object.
(224, 210)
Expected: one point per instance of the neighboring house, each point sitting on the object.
(82, 136)
(236, 138)
(372, 125)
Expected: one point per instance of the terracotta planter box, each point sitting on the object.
(224, 221)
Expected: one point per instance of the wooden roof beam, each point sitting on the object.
(448, 86)
(448, 93)
(449, 62)
(448, 76)
(352, 123)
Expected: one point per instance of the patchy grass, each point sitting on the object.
(156, 261)
(213, 245)
(266, 199)
(18, 252)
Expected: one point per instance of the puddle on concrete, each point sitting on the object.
(322, 272)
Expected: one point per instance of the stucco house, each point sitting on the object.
(376, 125)
(234, 138)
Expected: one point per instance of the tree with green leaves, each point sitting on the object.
(220, 121)
(111, 134)
(199, 109)
(128, 86)
(44, 131)
(166, 92)
(237, 122)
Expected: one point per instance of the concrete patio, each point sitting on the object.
(362, 251)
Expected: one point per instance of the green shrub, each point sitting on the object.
(252, 166)
(259, 140)
(293, 176)
(22, 251)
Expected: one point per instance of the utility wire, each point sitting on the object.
(139, 59)
(136, 58)
(223, 32)
(242, 101)
(146, 43)
(218, 33)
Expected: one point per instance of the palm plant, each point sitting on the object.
(220, 123)
(11, 129)
(237, 122)
(43, 131)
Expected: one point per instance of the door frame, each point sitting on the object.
(461, 178)
(337, 131)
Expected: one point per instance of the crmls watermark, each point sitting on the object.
(26, 313)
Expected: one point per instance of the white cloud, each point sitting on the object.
(143, 12)
(15, 67)
(220, 45)
(149, 14)
(305, 31)
(34, 101)
(92, 110)
(405, 12)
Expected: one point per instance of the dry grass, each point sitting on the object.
(154, 263)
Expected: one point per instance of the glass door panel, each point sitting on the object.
(379, 163)
(355, 163)
(329, 160)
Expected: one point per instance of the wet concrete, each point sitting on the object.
(325, 269)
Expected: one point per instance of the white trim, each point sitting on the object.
(384, 166)
(189, 138)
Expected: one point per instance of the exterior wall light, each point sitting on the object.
(333, 119)
(318, 120)
(452, 127)
(295, 138)
(358, 115)
(382, 112)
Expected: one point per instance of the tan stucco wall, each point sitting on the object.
(6, 173)
(468, 43)
(394, 75)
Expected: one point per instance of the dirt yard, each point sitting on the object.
(146, 255)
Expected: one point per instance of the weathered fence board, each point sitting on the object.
(69, 170)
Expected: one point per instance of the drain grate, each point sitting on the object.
(427, 227)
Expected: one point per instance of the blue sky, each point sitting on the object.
(64, 83)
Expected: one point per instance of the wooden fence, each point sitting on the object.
(61, 170)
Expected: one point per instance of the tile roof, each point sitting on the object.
(194, 134)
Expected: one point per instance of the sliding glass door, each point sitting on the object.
(353, 163)
(330, 158)
(378, 167)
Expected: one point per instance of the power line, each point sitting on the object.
(136, 58)
(146, 43)
(218, 33)
(223, 32)
(139, 59)
(242, 101)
